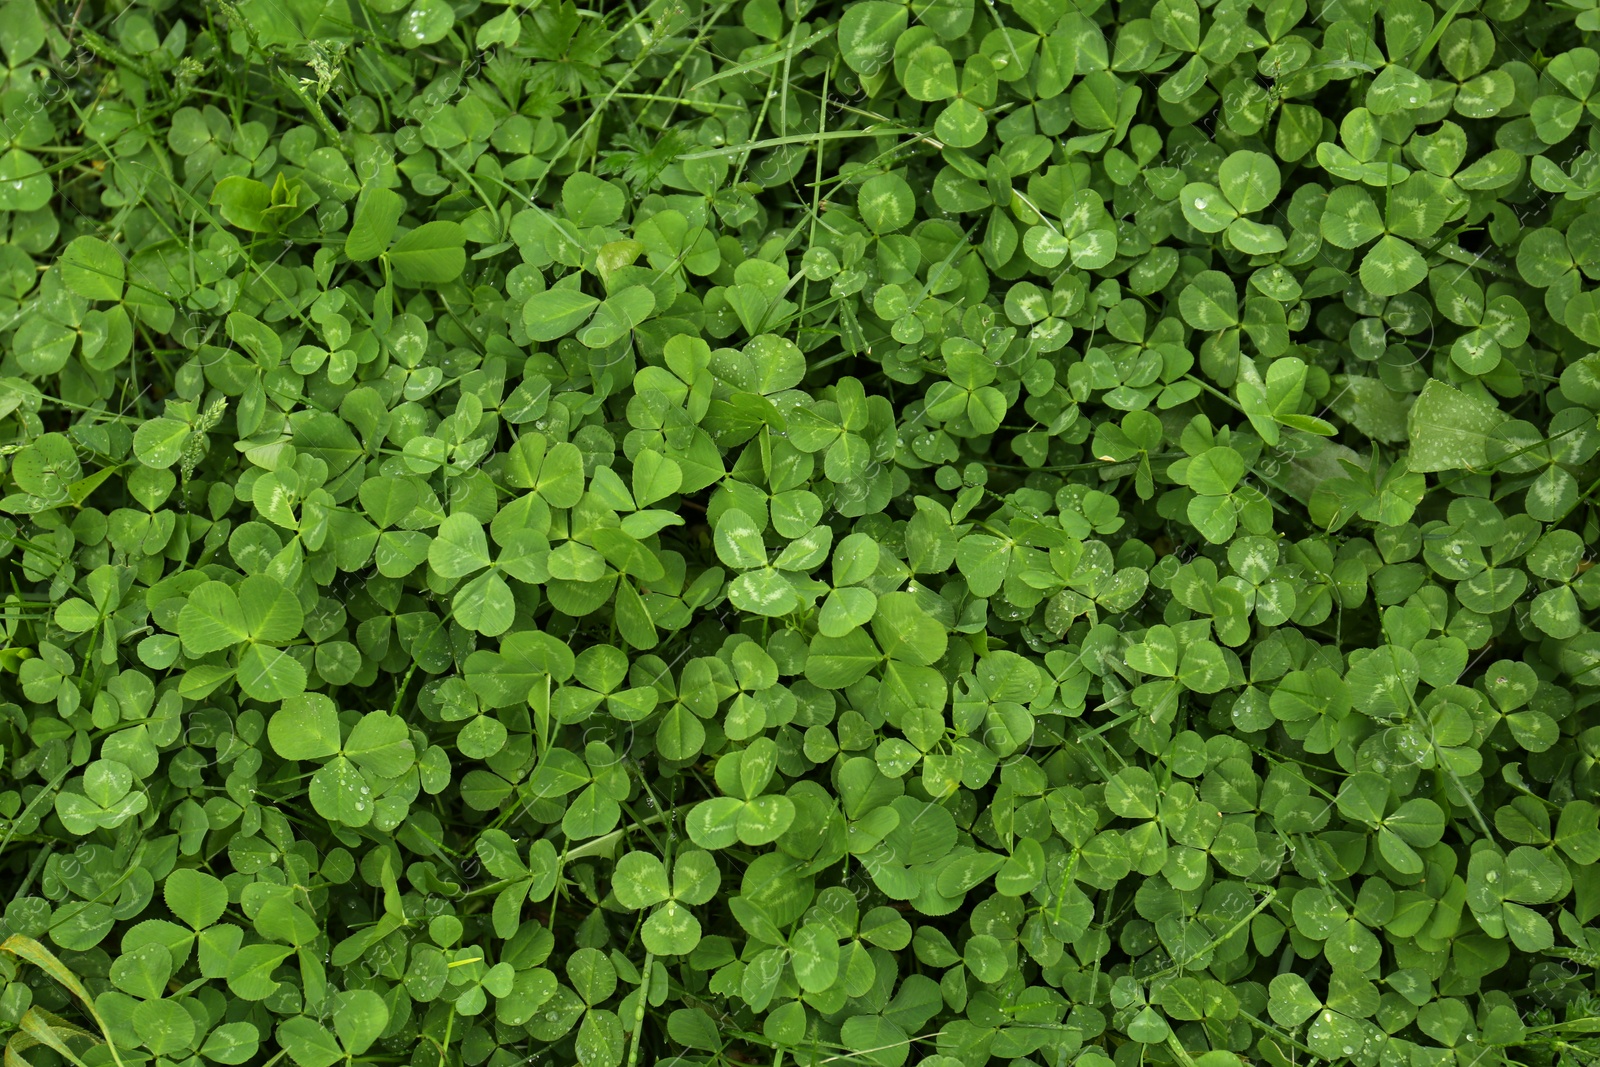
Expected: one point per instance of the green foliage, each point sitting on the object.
(883, 532)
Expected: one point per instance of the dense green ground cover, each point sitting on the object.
(1034, 532)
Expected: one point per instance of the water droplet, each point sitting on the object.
(1200, 203)
(1349, 1050)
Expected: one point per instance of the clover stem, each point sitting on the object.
(449, 1025)
(34, 869)
(1274, 1031)
(1477, 816)
(1178, 1050)
(1214, 391)
(48, 791)
(600, 844)
(1260, 907)
(400, 692)
(638, 1014)
(1587, 493)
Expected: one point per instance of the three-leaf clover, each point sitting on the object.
(1250, 183)
(358, 781)
(640, 881)
(256, 618)
(743, 814)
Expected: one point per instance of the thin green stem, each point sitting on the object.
(638, 1014)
